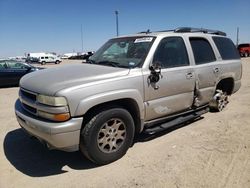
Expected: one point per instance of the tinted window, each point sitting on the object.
(226, 48)
(203, 52)
(17, 65)
(127, 52)
(3, 65)
(171, 52)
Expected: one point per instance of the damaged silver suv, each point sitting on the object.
(145, 82)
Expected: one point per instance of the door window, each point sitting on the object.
(171, 52)
(3, 65)
(203, 52)
(17, 65)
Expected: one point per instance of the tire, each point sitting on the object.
(57, 62)
(219, 101)
(107, 136)
(43, 63)
(245, 54)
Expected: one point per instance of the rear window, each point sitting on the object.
(203, 52)
(226, 48)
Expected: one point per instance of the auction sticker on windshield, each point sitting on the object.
(144, 39)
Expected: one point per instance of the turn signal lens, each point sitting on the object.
(61, 117)
(54, 117)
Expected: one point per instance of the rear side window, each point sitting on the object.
(171, 52)
(226, 48)
(203, 52)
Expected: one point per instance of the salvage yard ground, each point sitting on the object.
(211, 152)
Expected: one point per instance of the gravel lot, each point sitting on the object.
(211, 152)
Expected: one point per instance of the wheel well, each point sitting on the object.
(129, 104)
(226, 85)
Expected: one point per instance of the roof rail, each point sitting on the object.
(193, 30)
(146, 32)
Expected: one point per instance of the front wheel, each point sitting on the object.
(219, 101)
(107, 136)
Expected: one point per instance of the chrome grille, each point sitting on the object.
(29, 108)
(28, 95)
(28, 100)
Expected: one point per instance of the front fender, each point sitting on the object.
(110, 96)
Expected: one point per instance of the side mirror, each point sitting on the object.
(155, 75)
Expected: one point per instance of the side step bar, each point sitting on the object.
(176, 121)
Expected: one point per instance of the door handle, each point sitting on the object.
(189, 75)
(216, 70)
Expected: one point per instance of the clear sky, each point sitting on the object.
(55, 25)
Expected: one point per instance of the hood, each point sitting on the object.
(49, 81)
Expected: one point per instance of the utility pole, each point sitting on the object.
(82, 38)
(237, 39)
(117, 23)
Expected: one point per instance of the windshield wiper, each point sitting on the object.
(111, 63)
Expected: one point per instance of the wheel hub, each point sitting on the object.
(111, 135)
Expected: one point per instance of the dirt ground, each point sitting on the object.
(211, 152)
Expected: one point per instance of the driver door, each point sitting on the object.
(174, 92)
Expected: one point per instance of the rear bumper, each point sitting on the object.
(63, 136)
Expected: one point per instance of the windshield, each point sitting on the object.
(126, 52)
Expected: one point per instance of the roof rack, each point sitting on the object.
(193, 30)
(146, 32)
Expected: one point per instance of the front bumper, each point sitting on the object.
(63, 136)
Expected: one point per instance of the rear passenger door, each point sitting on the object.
(207, 70)
(176, 87)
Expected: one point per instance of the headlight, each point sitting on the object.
(52, 101)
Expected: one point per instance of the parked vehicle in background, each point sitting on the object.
(68, 55)
(32, 59)
(244, 50)
(43, 58)
(49, 59)
(84, 56)
(11, 72)
(145, 82)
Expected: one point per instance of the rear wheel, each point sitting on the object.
(43, 63)
(57, 62)
(219, 101)
(107, 136)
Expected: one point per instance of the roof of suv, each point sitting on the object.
(181, 30)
